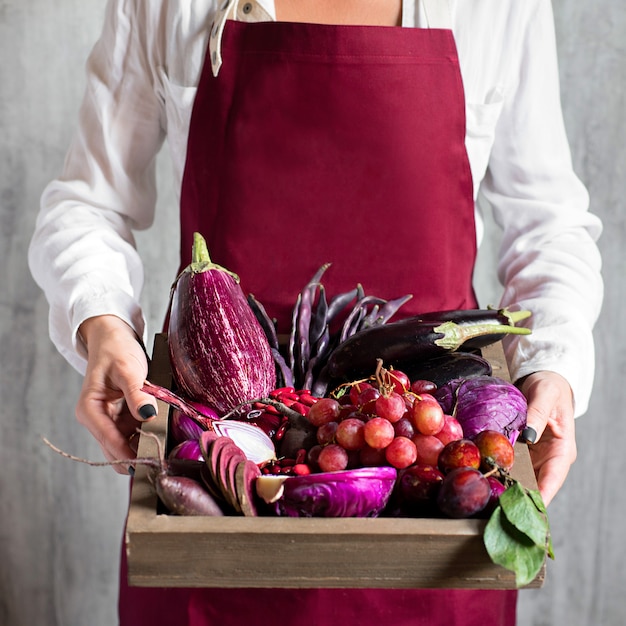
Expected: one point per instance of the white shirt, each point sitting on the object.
(141, 81)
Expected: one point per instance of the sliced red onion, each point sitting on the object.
(252, 440)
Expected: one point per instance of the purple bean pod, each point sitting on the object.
(302, 343)
(365, 303)
(341, 301)
(370, 318)
(352, 322)
(319, 387)
(319, 322)
(389, 309)
(292, 335)
(283, 369)
(321, 352)
(267, 324)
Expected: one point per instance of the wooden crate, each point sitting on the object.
(172, 551)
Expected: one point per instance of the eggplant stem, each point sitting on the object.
(516, 316)
(201, 260)
(455, 335)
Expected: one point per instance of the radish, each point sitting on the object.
(181, 494)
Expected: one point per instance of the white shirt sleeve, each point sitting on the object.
(82, 253)
(549, 262)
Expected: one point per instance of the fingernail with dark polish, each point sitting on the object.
(147, 411)
(529, 434)
(131, 470)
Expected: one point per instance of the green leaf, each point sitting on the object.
(521, 512)
(512, 549)
(535, 496)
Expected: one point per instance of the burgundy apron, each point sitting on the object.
(341, 144)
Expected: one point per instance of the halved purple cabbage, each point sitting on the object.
(361, 492)
(484, 402)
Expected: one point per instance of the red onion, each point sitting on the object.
(184, 427)
(252, 440)
(189, 450)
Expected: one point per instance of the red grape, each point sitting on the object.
(428, 448)
(332, 458)
(367, 400)
(349, 434)
(357, 389)
(323, 411)
(347, 410)
(423, 386)
(451, 431)
(401, 453)
(371, 457)
(404, 427)
(326, 433)
(390, 406)
(400, 381)
(427, 415)
(379, 432)
(313, 455)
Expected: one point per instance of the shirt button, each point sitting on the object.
(247, 7)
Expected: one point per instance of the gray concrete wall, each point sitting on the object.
(61, 523)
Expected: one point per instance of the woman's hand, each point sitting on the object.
(551, 415)
(111, 404)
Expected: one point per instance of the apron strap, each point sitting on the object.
(241, 10)
(438, 13)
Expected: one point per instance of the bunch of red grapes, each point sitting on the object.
(389, 420)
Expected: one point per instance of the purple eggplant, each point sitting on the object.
(219, 353)
(409, 340)
(471, 317)
(446, 367)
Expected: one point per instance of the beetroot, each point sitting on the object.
(185, 496)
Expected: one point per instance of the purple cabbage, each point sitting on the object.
(484, 402)
(362, 492)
